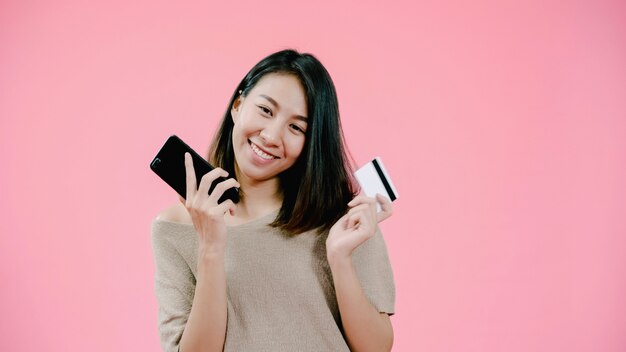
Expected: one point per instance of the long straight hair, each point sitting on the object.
(317, 188)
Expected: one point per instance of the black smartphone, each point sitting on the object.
(169, 165)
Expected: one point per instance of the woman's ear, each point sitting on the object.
(234, 110)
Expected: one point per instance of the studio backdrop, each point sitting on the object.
(502, 124)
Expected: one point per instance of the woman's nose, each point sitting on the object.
(271, 133)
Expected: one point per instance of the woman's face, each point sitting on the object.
(269, 127)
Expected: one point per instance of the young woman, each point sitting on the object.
(298, 264)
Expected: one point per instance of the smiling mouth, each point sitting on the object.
(260, 152)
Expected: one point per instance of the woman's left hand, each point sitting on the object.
(356, 226)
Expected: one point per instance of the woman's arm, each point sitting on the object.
(366, 329)
(206, 326)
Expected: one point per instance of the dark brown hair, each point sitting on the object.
(317, 188)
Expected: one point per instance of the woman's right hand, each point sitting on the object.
(207, 215)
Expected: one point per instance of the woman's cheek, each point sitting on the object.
(296, 146)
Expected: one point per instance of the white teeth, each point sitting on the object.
(261, 153)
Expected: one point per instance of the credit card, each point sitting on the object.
(373, 178)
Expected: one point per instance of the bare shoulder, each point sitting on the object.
(175, 213)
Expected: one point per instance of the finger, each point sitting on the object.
(342, 222)
(223, 207)
(359, 224)
(353, 221)
(361, 199)
(222, 187)
(386, 209)
(359, 207)
(181, 199)
(208, 179)
(190, 177)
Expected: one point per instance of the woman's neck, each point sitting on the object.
(257, 198)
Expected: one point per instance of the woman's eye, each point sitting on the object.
(297, 128)
(265, 110)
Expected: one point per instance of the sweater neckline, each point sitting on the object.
(271, 215)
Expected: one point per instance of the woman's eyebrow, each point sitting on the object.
(269, 99)
(275, 103)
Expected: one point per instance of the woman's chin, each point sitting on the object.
(254, 174)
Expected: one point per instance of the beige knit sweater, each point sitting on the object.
(280, 291)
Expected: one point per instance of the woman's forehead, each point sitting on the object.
(283, 90)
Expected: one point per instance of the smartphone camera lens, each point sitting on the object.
(155, 163)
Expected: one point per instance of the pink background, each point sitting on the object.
(503, 125)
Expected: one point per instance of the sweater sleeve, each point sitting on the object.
(174, 284)
(373, 269)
